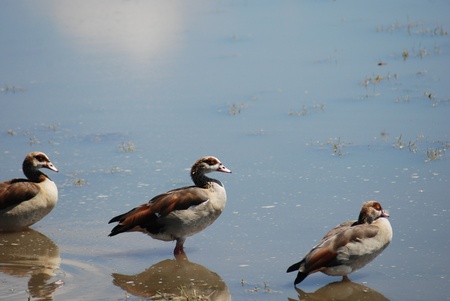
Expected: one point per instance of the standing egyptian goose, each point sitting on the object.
(24, 202)
(349, 246)
(181, 212)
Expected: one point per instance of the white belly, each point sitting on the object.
(29, 212)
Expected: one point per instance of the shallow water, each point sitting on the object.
(313, 105)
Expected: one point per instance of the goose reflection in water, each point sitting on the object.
(342, 290)
(172, 278)
(29, 253)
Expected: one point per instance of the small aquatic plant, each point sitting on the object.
(415, 28)
(79, 182)
(34, 140)
(337, 146)
(434, 153)
(127, 147)
(12, 89)
(405, 54)
(235, 108)
(307, 110)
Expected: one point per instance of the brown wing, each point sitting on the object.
(146, 215)
(326, 252)
(339, 228)
(320, 256)
(179, 199)
(16, 191)
(342, 245)
(356, 233)
(329, 252)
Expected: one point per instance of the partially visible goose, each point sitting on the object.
(349, 246)
(181, 212)
(24, 202)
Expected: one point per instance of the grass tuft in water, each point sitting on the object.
(307, 110)
(12, 89)
(337, 145)
(79, 182)
(434, 153)
(414, 28)
(127, 147)
(34, 140)
(235, 108)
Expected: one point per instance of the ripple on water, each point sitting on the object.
(86, 274)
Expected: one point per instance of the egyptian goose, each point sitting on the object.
(24, 202)
(349, 246)
(181, 212)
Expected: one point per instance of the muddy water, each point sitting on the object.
(314, 106)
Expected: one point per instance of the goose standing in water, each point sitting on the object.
(349, 246)
(24, 202)
(181, 212)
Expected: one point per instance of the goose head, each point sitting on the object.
(370, 211)
(35, 161)
(208, 164)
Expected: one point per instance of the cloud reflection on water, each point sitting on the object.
(141, 30)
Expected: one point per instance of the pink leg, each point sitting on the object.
(345, 279)
(178, 250)
(179, 246)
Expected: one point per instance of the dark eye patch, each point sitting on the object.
(211, 161)
(377, 206)
(41, 158)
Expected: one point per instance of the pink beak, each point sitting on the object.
(223, 169)
(50, 165)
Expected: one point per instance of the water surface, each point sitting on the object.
(316, 106)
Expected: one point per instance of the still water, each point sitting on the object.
(316, 106)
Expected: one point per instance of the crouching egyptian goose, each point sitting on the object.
(349, 246)
(24, 202)
(181, 212)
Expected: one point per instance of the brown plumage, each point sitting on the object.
(24, 202)
(349, 246)
(181, 212)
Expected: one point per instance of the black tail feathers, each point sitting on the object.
(300, 277)
(294, 267)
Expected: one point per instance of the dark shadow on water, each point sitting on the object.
(342, 290)
(30, 253)
(172, 278)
